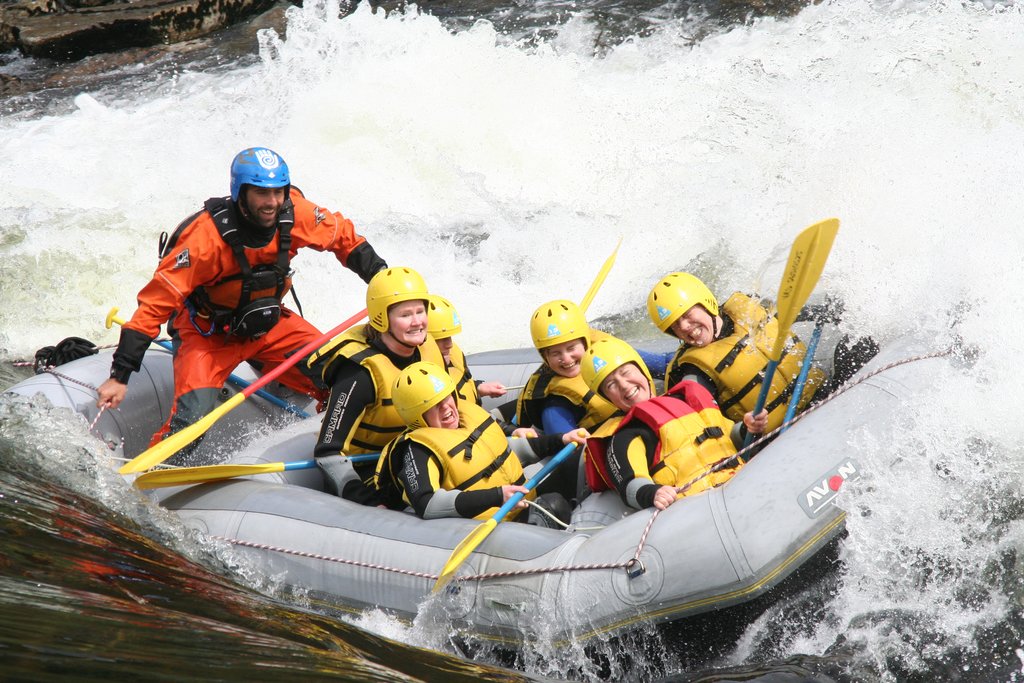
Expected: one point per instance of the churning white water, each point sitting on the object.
(506, 173)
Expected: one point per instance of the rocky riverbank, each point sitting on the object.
(72, 29)
(34, 86)
(75, 45)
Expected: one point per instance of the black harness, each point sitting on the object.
(251, 318)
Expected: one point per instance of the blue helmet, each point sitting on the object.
(258, 166)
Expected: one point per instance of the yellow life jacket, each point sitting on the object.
(693, 435)
(465, 387)
(472, 457)
(544, 382)
(736, 363)
(380, 422)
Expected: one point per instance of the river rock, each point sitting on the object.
(72, 29)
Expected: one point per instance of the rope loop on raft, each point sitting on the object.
(50, 370)
(634, 566)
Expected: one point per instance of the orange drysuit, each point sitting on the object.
(200, 257)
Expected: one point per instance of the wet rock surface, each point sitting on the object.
(72, 29)
(52, 48)
(38, 86)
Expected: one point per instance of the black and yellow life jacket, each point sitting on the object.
(380, 422)
(545, 382)
(465, 387)
(736, 363)
(474, 456)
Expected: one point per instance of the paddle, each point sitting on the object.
(113, 317)
(175, 442)
(801, 380)
(477, 536)
(180, 476)
(599, 280)
(807, 259)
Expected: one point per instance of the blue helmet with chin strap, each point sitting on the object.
(260, 167)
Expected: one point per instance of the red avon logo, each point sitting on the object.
(814, 498)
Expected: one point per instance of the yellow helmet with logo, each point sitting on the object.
(389, 287)
(556, 322)
(607, 355)
(442, 319)
(674, 295)
(418, 388)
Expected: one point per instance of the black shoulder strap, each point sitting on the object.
(220, 211)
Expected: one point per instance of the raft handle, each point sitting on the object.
(507, 606)
(635, 568)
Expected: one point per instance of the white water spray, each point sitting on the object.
(506, 174)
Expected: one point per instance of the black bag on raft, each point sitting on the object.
(65, 351)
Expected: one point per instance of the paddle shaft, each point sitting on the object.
(482, 531)
(159, 452)
(801, 380)
(310, 464)
(112, 317)
(184, 476)
(766, 384)
(536, 479)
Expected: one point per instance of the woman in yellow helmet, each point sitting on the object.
(454, 459)
(360, 367)
(556, 399)
(443, 322)
(726, 349)
(656, 444)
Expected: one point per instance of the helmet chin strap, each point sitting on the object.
(400, 342)
(243, 206)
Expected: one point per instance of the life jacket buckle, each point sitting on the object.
(709, 433)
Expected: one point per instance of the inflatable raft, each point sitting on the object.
(612, 569)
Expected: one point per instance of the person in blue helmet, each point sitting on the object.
(220, 284)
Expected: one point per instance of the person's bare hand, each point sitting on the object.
(110, 394)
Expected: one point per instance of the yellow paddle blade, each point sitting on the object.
(599, 280)
(175, 442)
(463, 550)
(180, 476)
(806, 261)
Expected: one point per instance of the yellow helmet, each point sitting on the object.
(392, 286)
(442, 319)
(607, 355)
(556, 322)
(418, 388)
(674, 295)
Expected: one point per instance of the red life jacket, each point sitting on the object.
(656, 413)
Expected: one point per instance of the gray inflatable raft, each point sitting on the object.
(613, 568)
